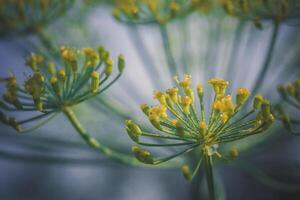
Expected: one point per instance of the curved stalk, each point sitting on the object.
(110, 153)
(168, 51)
(267, 62)
(47, 43)
(94, 143)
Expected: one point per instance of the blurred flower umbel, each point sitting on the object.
(256, 10)
(50, 90)
(25, 16)
(151, 11)
(290, 95)
(176, 119)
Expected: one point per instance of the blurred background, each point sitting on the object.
(53, 162)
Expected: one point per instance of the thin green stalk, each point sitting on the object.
(94, 143)
(209, 176)
(48, 44)
(144, 54)
(235, 48)
(167, 49)
(259, 80)
(110, 153)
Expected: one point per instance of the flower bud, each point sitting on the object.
(133, 130)
(179, 128)
(242, 96)
(160, 97)
(108, 67)
(257, 101)
(200, 91)
(51, 69)
(121, 63)
(145, 108)
(173, 93)
(203, 128)
(234, 152)
(186, 172)
(186, 101)
(95, 81)
(155, 121)
(62, 74)
(142, 155)
(55, 85)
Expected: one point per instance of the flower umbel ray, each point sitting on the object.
(180, 125)
(151, 11)
(50, 89)
(290, 95)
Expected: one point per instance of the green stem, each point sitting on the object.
(144, 54)
(268, 59)
(48, 44)
(94, 143)
(167, 49)
(209, 176)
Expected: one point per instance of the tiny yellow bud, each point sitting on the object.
(257, 101)
(34, 60)
(242, 96)
(173, 93)
(108, 67)
(104, 55)
(142, 155)
(219, 85)
(203, 128)
(179, 127)
(160, 97)
(234, 152)
(95, 81)
(189, 92)
(200, 90)
(186, 172)
(133, 130)
(187, 81)
(186, 101)
(51, 69)
(145, 108)
(62, 74)
(121, 63)
(91, 57)
(55, 85)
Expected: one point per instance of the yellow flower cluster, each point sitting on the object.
(50, 89)
(24, 16)
(149, 11)
(177, 120)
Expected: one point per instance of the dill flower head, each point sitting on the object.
(151, 11)
(256, 9)
(23, 16)
(290, 94)
(176, 119)
(81, 75)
